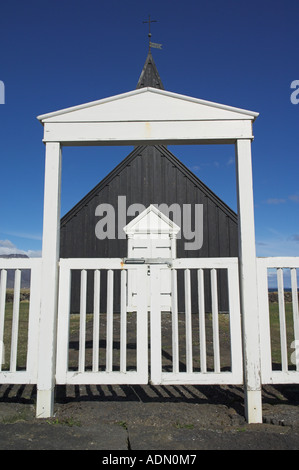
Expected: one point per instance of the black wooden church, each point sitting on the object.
(150, 175)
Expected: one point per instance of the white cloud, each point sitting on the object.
(6, 244)
(195, 168)
(29, 236)
(294, 198)
(8, 248)
(275, 201)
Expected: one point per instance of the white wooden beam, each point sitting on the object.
(248, 283)
(49, 298)
(149, 132)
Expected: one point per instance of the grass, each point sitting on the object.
(75, 325)
(179, 425)
(22, 334)
(70, 422)
(75, 322)
(275, 331)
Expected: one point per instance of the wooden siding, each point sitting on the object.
(150, 175)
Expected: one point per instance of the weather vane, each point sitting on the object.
(152, 44)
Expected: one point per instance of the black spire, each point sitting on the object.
(150, 76)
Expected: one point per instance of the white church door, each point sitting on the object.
(152, 239)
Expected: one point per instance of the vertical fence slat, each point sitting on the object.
(189, 359)
(235, 321)
(33, 322)
(82, 334)
(282, 321)
(264, 319)
(2, 313)
(96, 321)
(109, 342)
(295, 313)
(202, 322)
(15, 322)
(63, 324)
(215, 320)
(175, 322)
(155, 324)
(123, 320)
(142, 326)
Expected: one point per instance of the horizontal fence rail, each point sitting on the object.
(19, 319)
(279, 319)
(202, 343)
(99, 341)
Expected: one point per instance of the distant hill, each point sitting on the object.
(25, 278)
(14, 255)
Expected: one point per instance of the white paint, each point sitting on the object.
(151, 235)
(147, 104)
(109, 376)
(270, 376)
(155, 325)
(203, 376)
(215, 313)
(147, 115)
(248, 278)
(15, 321)
(82, 331)
(3, 283)
(148, 133)
(29, 376)
(96, 320)
(49, 295)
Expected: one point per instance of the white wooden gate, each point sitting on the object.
(118, 350)
(195, 356)
(103, 368)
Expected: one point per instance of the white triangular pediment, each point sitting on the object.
(148, 105)
(150, 221)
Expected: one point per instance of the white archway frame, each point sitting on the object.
(149, 116)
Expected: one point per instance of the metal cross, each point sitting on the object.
(149, 28)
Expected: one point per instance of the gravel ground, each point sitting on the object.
(148, 418)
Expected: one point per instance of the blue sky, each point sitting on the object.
(60, 53)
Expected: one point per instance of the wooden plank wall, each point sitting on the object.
(150, 175)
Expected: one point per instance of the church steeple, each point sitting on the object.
(150, 76)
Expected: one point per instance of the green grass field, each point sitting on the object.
(275, 331)
(22, 336)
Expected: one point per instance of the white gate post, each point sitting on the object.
(248, 283)
(49, 292)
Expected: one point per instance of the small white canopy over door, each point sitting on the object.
(151, 236)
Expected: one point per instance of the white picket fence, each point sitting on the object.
(16, 366)
(284, 367)
(112, 357)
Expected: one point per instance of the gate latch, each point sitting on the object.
(149, 261)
